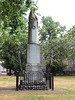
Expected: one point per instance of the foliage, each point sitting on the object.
(71, 40)
(14, 55)
(12, 14)
(50, 29)
(57, 66)
(13, 32)
(54, 45)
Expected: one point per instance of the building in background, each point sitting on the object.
(70, 64)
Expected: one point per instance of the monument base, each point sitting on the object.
(33, 72)
(36, 85)
(33, 81)
(33, 78)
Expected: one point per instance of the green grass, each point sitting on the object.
(37, 97)
(49, 97)
(63, 82)
(7, 81)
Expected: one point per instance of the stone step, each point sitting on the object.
(22, 82)
(23, 87)
(36, 85)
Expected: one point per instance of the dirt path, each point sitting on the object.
(6, 90)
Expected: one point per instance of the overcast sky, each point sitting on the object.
(62, 11)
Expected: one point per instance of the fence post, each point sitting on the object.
(24, 76)
(52, 81)
(17, 79)
(46, 77)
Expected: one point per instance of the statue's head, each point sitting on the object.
(32, 16)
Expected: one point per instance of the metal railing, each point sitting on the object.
(37, 85)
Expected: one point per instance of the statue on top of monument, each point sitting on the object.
(33, 28)
(32, 16)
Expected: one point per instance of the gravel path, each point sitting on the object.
(11, 90)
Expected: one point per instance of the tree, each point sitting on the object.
(13, 32)
(71, 40)
(12, 14)
(54, 45)
(13, 48)
(50, 29)
(13, 54)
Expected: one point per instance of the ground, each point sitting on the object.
(12, 90)
(64, 90)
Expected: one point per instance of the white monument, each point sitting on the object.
(33, 67)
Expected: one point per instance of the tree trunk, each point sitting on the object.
(10, 72)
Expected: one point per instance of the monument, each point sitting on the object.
(33, 77)
(33, 50)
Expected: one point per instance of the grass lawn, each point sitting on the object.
(66, 82)
(37, 97)
(7, 81)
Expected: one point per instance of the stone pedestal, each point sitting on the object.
(33, 54)
(33, 67)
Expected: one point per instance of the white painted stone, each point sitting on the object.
(33, 54)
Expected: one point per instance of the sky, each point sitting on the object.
(62, 11)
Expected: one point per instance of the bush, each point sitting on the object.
(57, 66)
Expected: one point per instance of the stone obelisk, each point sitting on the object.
(33, 67)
